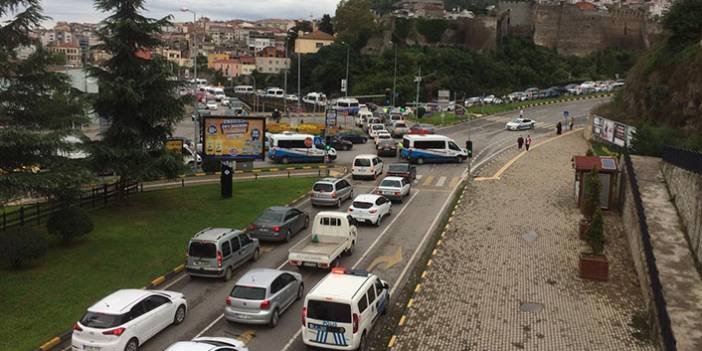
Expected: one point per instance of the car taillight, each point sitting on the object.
(397, 194)
(266, 304)
(373, 210)
(356, 322)
(77, 327)
(252, 226)
(229, 300)
(333, 194)
(304, 317)
(350, 209)
(219, 259)
(115, 332)
(276, 229)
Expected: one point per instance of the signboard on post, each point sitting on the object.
(234, 139)
(343, 85)
(613, 132)
(444, 99)
(175, 146)
(331, 119)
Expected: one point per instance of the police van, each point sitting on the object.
(422, 149)
(341, 309)
(290, 147)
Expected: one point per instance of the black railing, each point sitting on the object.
(667, 336)
(35, 213)
(685, 159)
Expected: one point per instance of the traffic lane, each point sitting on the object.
(276, 339)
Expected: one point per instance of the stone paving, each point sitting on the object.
(505, 275)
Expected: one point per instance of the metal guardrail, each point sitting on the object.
(685, 159)
(664, 324)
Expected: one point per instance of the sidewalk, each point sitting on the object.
(505, 276)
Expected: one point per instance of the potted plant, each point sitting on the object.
(594, 264)
(591, 201)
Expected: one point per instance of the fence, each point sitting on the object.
(685, 159)
(668, 339)
(34, 214)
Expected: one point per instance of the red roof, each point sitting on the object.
(587, 163)
(64, 45)
(586, 6)
(318, 35)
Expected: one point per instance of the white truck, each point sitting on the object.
(333, 234)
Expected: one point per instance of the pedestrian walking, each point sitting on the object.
(559, 128)
(572, 122)
(527, 142)
(520, 142)
(521, 113)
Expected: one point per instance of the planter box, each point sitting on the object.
(594, 267)
(583, 226)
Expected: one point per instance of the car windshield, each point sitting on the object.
(390, 183)
(517, 120)
(329, 311)
(102, 320)
(378, 127)
(400, 125)
(248, 293)
(362, 162)
(398, 168)
(361, 204)
(200, 249)
(270, 216)
(323, 187)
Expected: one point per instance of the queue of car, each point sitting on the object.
(581, 88)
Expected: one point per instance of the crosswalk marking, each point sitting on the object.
(441, 182)
(454, 181)
(428, 180)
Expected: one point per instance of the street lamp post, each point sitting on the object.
(196, 122)
(394, 79)
(348, 51)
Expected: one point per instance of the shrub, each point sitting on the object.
(20, 245)
(595, 233)
(69, 223)
(593, 188)
(589, 153)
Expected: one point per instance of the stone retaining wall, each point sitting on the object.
(685, 188)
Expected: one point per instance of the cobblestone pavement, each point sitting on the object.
(505, 275)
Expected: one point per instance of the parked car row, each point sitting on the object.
(588, 87)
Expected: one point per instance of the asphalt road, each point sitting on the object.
(389, 250)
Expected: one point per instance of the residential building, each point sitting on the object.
(212, 57)
(247, 65)
(258, 41)
(422, 8)
(279, 24)
(71, 52)
(229, 67)
(310, 43)
(272, 61)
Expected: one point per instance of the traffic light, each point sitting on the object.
(388, 96)
(327, 147)
(469, 148)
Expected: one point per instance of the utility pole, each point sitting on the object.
(419, 81)
(348, 50)
(394, 79)
(285, 82)
(298, 81)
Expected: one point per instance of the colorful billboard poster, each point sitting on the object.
(235, 139)
(607, 132)
(175, 146)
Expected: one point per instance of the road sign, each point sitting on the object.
(444, 98)
(343, 85)
(331, 119)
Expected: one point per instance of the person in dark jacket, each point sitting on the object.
(520, 142)
(527, 142)
(559, 128)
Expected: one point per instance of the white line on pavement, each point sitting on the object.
(210, 325)
(294, 337)
(441, 182)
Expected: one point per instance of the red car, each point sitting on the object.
(422, 129)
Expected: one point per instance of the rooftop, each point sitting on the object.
(317, 35)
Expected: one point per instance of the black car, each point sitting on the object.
(278, 224)
(338, 143)
(405, 170)
(387, 148)
(355, 138)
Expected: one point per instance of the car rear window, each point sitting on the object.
(361, 204)
(391, 183)
(102, 320)
(362, 162)
(248, 293)
(398, 168)
(400, 125)
(200, 249)
(329, 311)
(323, 188)
(270, 217)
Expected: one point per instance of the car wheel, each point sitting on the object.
(377, 221)
(285, 160)
(363, 346)
(179, 315)
(300, 291)
(274, 319)
(256, 255)
(420, 161)
(349, 252)
(228, 274)
(307, 222)
(353, 176)
(132, 345)
(347, 147)
(288, 235)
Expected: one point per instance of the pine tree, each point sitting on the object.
(137, 95)
(37, 111)
(326, 25)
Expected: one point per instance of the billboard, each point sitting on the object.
(235, 139)
(613, 132)
(175, 146)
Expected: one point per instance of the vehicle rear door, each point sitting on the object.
(247, 246)
(237, 253)
(382, 298)
(202, 255)
(290, 222)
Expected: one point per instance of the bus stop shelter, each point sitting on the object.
(607, 170)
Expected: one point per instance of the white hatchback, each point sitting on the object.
(373, 129)
(394, 188)
(209, 344)
(382, 135)
(370, 208)
(126, 319)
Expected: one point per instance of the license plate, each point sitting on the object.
(309, 264)
(241, 316)
(90, 348)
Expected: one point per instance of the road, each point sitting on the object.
(393, 246)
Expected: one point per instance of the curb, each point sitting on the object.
(65, 336)
(257, 170)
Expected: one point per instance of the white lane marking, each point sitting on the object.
(441, 182)
(210, 325)
(397, 216)
(419, 176)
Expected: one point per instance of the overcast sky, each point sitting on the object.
(84, 11)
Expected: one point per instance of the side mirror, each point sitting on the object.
(386, 286)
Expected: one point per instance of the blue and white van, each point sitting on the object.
(346, 105)
(434, 148)
(290, 147)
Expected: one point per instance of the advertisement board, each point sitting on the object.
(614, 132)
(236, 139)
(620, 134)
(175, 146)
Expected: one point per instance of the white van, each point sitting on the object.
(340, 311)
(318, 99)
(367, 166)
(244, 89)
(346, 105)
(431, 148)
(275, 93)
(362, 117)
(291, 147)
(217, 93)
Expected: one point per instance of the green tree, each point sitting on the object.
(593, 188)
(37, 112)
(326, 25)
(136, 95)
(595, 233)
(354, 22)
(684, 21)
